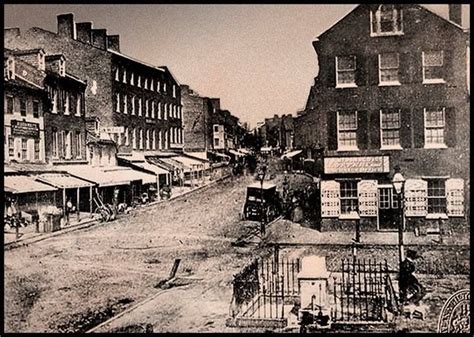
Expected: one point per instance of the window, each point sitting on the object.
(23, 106)
(9, 104)
(125, 104)
(147, 139)
(159, 110)
(132, 101)
(55, 142)
(347, 130)
(153, 109)
(390, 128)
(386, 20)
(79, 105)
(117, 74)
(160, 140)
(166, 139)
(11, 147)
(216, 141)
(349, 201)
(126, 137)
(151, 84)
(35, 109)
(140, 106)
(436, 196)
(384, 198)
(134, 138)
(147, 111)
(433, 67)
(24, 148)
(78, 144)
(140, 138)
(153, 139)
(434, 127)
(117, 102)
(345, 69)
(55, 102)
(388, 69)
(124, 79)
(132, 78)
(145, 85)
(164, 86)
(158, 86)
(67, 144)
(165, 111)
(139, 81)
(174, 90)
(37, 149)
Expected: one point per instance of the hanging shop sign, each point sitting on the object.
(25, 129)
(369, 164)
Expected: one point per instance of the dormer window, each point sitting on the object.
(386, 20)
(62, 67)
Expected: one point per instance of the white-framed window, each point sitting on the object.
(390, 129)
(37, 150)
(434, 127)
(140, 138)
(151, 84)
(153, 104)
(117, 102)
(159, 110)
(388, 69)
(55, 102)
(433, 66)
(132, 78)
(174, 91)
(349, 197)
(117, 74)
(134, 138)
(140, 111)
(436, 196)
(216, 141)
(386, 20)
(79, 105)
(147, 110)
(124, 79)
(345, 71)
(67, 145)
(166, 139)
(158, 86)
(66, 104)
(347, 131)
(55, 143)
(165, 111)
(145, 84)
(125, 104)
(139, 81)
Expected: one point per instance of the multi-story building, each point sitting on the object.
(391, 93)
(138, 104)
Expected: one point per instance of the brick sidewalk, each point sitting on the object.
(285, 231)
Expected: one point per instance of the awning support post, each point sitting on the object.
(90, 200)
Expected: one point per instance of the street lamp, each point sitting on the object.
(261, 176)
(398, 182)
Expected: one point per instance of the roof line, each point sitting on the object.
(135, 60)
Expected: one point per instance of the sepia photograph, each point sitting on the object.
(236, 168)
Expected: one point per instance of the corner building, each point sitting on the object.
(392, 92)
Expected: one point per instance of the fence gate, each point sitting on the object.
(363, 293)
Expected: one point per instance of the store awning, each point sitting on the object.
(291, 154)
(194, 164)
(62, 180)
(152, 167)
(237, 153)
(25, 184)
(109, 176)
(176, 164)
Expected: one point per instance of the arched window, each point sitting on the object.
(386, 20)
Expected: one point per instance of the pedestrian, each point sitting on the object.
(14, 215)
(181, 178)
(68, 211)
(410, 288)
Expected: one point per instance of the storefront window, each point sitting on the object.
(349, 201)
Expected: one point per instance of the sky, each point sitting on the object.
(258, 59)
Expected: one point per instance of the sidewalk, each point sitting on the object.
(29, 235)
(288, 232)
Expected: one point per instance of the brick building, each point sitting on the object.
(137, 103)
(392, 92)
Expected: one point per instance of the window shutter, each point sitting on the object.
(450, 127)
(373, 69)
(331, 72)
(61, 139)
(367, 190)
(361, 70)
(416, 197)
(330, 199)
(332, 130)
(419, 127)
(416, 68)
(455, 197)
(405, 128)
(362, 130)
(374, 129)
(406, 68)
(448, 66)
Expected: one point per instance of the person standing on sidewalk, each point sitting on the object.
(68, 210)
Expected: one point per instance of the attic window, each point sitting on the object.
(62, 67)
(386, 20)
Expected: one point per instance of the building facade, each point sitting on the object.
(138, 105)
(391, 93)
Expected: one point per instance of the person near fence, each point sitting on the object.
(411, 291)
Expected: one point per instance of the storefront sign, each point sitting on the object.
(370, 164)
(25, 129)
(113, 129)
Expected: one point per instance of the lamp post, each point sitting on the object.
(398, 182)
(261, 177)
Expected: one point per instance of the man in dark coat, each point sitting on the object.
(410, 289)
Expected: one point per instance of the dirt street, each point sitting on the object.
(74, 281)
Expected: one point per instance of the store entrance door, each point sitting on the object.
(389, 212)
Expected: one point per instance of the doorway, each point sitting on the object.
(389, 211)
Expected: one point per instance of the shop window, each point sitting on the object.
(384, 198)
(434, 128)
(347, 130)
(433, 67)
(345, 70)
(386, 20)
(390, 128)
(23, 106)
(436, 196)
(9, 105)
(37, 149)
(349, 200)
(24, 148)
(388, 69)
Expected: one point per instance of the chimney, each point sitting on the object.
(455, 13)
(99, 38)
(83, 31)
(113, 42)
(66, 25)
